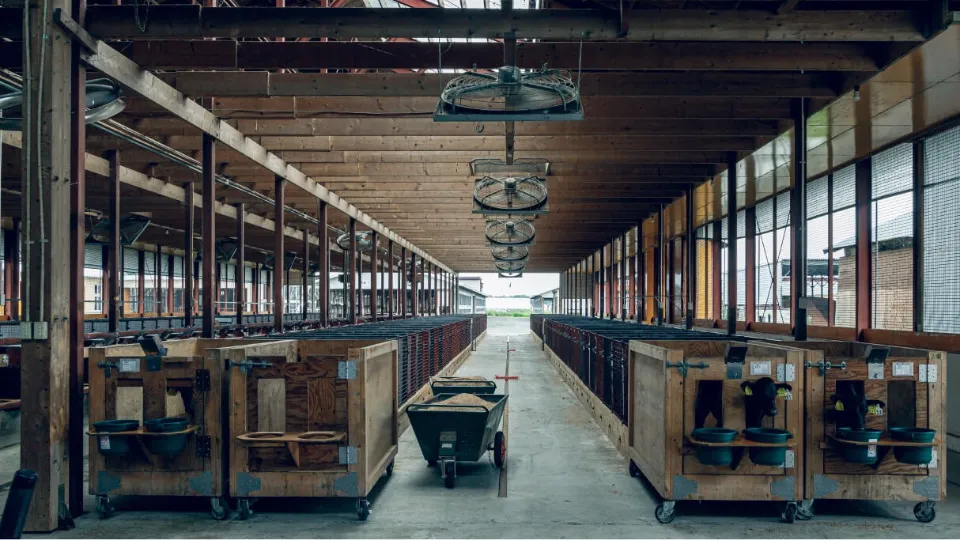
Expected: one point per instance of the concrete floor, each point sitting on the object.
(564, 480)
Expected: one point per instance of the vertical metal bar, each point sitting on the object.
(188, 255)
(116, 250)
(864, 287)
(715, 269)
(157, 306)
(241, 283)
(622, 300)
(919, 152)
(78, 153)
(305, 278)
(642, 271)
(731, 243)
(402, 294)
(323, 235)
(354, 308)
(373, 276)
(208, 238)
(170, 284)
(691, 260)
(601, 293)
(798, 210)
(255, 308)
(11, 270)
(413, 279)
(279, 188)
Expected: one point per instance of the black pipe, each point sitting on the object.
(18, 504)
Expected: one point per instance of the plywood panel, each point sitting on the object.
(129, 404)
(271, 405)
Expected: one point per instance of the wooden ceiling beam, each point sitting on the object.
(704, 83)
(196, 22)
(617, 56)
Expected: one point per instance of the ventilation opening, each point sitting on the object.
(901, 404)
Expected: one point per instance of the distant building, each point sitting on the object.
(544, 302)
(470, 297)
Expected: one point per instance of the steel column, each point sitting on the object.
(691, 260)
(116, 250)
(11, 270)
(415, 307)
(305, 278)
(188, 255)
(141, 284)
(750, 274)
(402, 293)
(354, 308)
(373, 276)
(208, 237)
(241, 282)
(798, 221)
(323, 235)
(716, 270)
(864, 287)
(170, 284)
(731, 243)
(279, 187)
(601, 292)
(658, 272)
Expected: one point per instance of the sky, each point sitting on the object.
(528, 285)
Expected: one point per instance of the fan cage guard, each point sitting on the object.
(510, 266)
(103, 101)
(131, 227)
(364, 242)
(510, 195)
(510, 232)
(509, 253)
(509, 94)
(510, 275)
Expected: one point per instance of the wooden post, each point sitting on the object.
(45, 205)
(305, 277)
(11, 269)
(279, 183)
(864, 186)
(78, 233)
(241, 282)
(373, 276)
(731, 243)
(691, 260)
(657, 271)
(208, 238)
(353, 272)
(798, 221)
(188, 256)
(116, 250)
(324, 282)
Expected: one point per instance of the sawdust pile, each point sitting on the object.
(462, 399)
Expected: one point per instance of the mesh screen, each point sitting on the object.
(892, 171)
(92, 256)
(817, 198)
(941, 230)
(765, 276)
(765, 216)
(891, 253)
(818, 275)
(741, 279)
(783, 209)
(704, 279)
(724, 234)
(741, 224)
(845, 261)
(844, 188)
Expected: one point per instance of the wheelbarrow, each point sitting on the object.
(450, 433)
(460, 385)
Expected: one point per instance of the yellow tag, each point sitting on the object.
(781, 392)
(874, 409)
(747, 391)
(838, 406)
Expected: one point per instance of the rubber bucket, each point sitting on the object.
(774, 457)
(114, 446)
(856, 453)
(166, 445)
(714, 455)
(914, 455)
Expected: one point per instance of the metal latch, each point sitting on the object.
(683, 367)
(824, 366)
(348, 455)
(347, 369)
(202, 381)
(246, 366)
(203, 446)
(122, 365)
(734, 358)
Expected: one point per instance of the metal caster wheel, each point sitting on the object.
(390, 469)
(243, 508)
(499, 450)
(634, 470)
(805, 509)
(790, 513)
(104, 507)
(665, 511)
(925, 512)
(363, 509)
(449, 474)
(219, 508)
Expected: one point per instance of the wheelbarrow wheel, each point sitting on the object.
(499, 449)
(449, 474)
(925, 512)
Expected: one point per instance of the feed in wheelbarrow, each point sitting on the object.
(455, 378)
(460, 399)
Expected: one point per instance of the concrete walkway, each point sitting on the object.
(565, 479)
